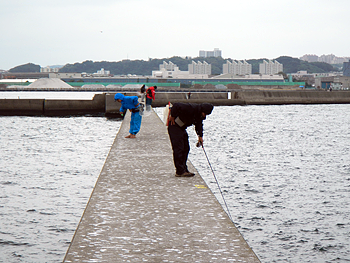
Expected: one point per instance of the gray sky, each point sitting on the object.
(68, 31)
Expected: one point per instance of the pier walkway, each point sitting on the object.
(140, 212)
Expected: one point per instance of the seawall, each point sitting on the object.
(43, 107)
(104, 104)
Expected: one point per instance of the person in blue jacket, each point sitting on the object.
(130, 103)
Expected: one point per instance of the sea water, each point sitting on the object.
(284, 172)
(48, 168)
(285, 175)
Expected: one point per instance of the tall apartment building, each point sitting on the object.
(330, 59)
(270, 67)
(237, 67)
(199, 68)
(346, 69)
(309, 58)
(167, 66)
(206, 54)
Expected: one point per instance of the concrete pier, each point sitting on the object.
(140, 212)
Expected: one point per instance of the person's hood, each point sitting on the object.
(206, 108)
(119, 96)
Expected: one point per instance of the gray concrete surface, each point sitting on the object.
(140, 212)
(29, 107)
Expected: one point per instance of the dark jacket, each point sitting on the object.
(189, 114)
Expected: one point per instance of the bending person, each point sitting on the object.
(150, 95)
(183, 115)
(132, 104)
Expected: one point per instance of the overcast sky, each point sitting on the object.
(52, 32)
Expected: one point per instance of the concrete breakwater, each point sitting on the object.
(104, 104)
(43, 107)
(140, 212)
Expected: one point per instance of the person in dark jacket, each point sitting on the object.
(183, 115)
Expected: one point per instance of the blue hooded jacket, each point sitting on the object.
(128, 102)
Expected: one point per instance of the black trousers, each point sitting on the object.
(181, 147)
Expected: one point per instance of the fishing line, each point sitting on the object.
(228, 211)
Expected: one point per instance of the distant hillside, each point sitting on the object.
(29, 67)
(142, 67)
(293, 65)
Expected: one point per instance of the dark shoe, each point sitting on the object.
(185, 174)
(191, 173)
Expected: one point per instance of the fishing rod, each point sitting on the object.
(228, 211)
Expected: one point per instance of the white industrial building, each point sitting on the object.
(48, 69)
(171, 70)
(199, 68)
(102, 73)
(237, 68)
(270, 67)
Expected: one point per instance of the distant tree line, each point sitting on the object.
(142, 67)
(30, 67)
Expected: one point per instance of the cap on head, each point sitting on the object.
(118, 96)
(207, 108)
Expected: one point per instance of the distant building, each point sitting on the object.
(48, 69)
(167, 66)
(237, 68)
(250, 77)
(65, 75)
(341, 82)
(206, 54)
(270, 67)
(199, 68)
(169, 70)
(330, 59)
(303, 76)
(346, 69)
(102, 73)
(310, 58)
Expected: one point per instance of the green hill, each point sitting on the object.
(293, 65)
(142, 67)
(29, 67)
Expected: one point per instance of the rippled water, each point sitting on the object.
(48, 168)
(284, 172)
(285, 175)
